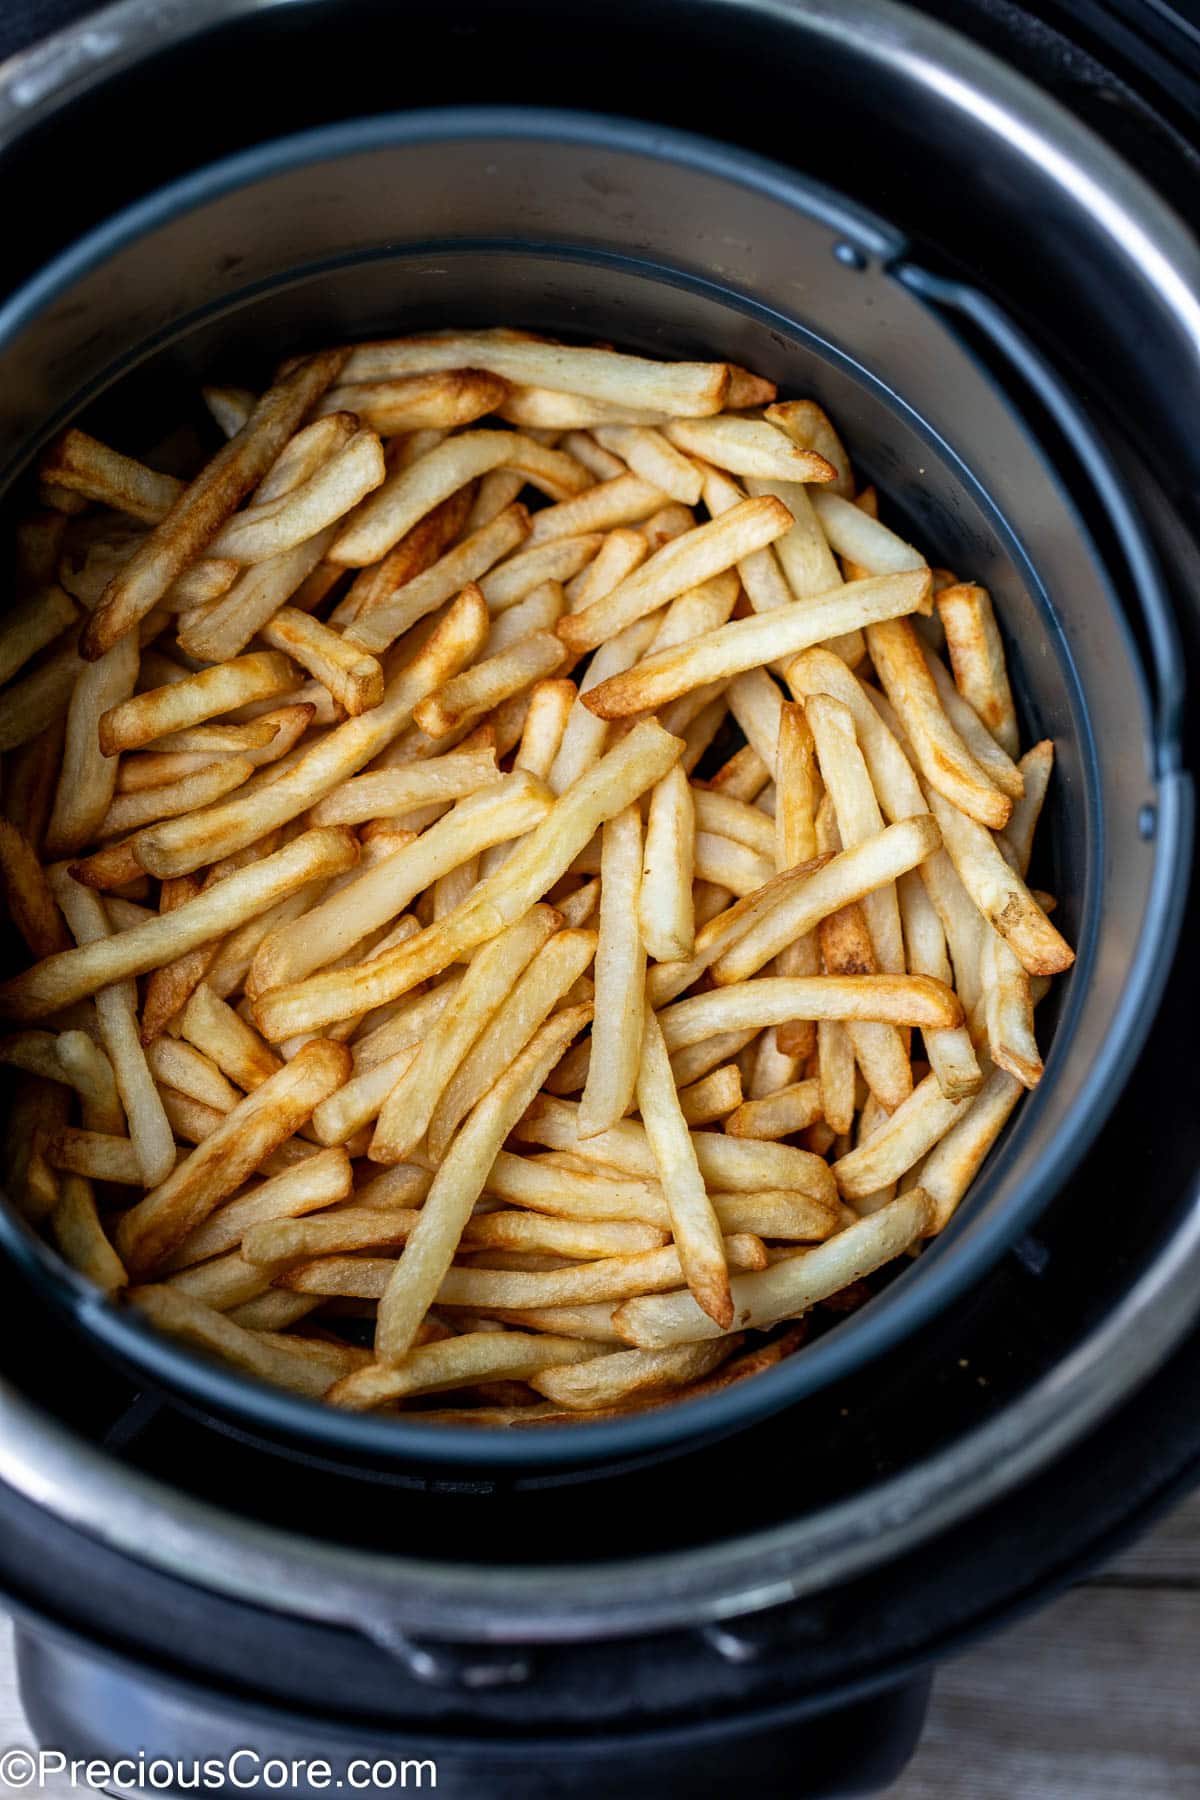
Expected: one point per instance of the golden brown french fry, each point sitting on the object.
(408, 494)
(896, 999)
(37, 700)
(747, 643)
(999, 892)
(390, 792)
(221, 630)
(181, 845)
(164, 710)
(1036, 766)
(31, 624)
(550, 704)
(900, 1143)
(694, 1223)
(129, 812)
(861, 539)
(197, 516)
(730, 865)
(620, 554)
(238, 1145)
(559, 559)
(83, 465)
(655, 459)
(583, 1240)
(835, 1074)
(623, 500)
(444, 400)
(306, 1365)
(458, 1184)
(953, 1164)
(1008, 1011)
(277, 1242)
(944, 759)
(609, 1278)
(353, 677)
(678, 388)
(728, 817)
(977, 658)
(477, 690)
(30, 778)
(180, 1065)
(535, 865)
(666, 914)
(584, 736)
(610, 1380)
(31, 904)
(546, 980)
(376, 896)
(456, 1362)
(779, 1114)
(807, 425)
(748, 447)
(684, 563)
(996, 763)
(96, 1154)
(76, 1228)
(733, 1165)
(411, 596)
(90, 1073)
(321, 1181)
(951, 1053)
(405, 1115)
(277, 522)
(787, 1289)
(620, 977)
(712, 1097)
(74, 974)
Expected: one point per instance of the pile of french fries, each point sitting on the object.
(427, 997)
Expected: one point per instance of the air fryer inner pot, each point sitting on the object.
(674, 247)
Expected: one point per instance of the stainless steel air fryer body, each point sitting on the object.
(665, 240)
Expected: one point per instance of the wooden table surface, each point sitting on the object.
(1093, 1698)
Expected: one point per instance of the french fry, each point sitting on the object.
(129, 812)
(861, 539)
(90, 1073)
(623, 500)
(477, 690)
(163, 710)
(182, 845)
(807, 425)
(246, 1135)
(625, 1374)
(746, 643)
(457, 1362)
(83, 465)
(684, 563)
(677, 388)
(458, 1185)
(788, 1289)
(76, 1228)
(535, 865)
(900, 1142)
(31, 624)
(730, 865)
(546, 980)
(694, 1222)
(276, 1243)
(200, 511)
(394, 608)
(620, 554)
(32, 905)
(733, 1165)
(944, 759)
(116, 1012)
(712, 1097)
(550, 704)
(390, 792)
(406, 1113)
(665, 911)
(611, 1278)
(584, 736)
(999, 892)
(896, 999)
(503, 809)
(1036, 766)
(308, 1187)
(408, 494)
(305, 1365)
(748, 447)
(953, 1164)
(996, 763)
(353, 677)
(546, 558)
(778, 1115)
(797, 901)
(951, 1053)
(583, 1241)
(35, 702)
(444, 400)
(977, 658)
(654, 458)
(1008, 1011)
(74, 974)
(620, 974)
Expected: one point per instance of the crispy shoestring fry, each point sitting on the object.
(548, 888)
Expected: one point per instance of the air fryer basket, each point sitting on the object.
(668, 244)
